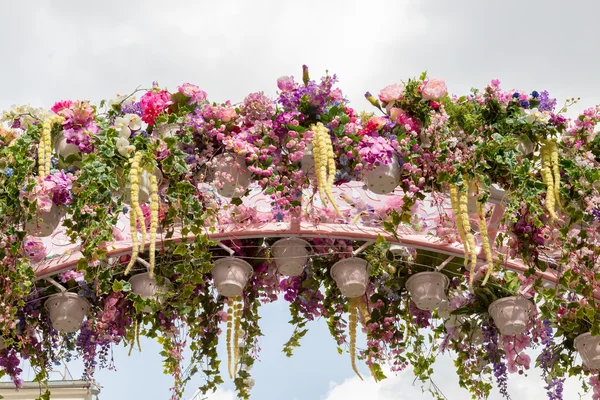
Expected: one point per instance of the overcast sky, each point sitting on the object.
(54, 50)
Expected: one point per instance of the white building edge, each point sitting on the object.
(59, 390)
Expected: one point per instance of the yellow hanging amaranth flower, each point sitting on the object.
(459, 221)
(546, 155)
(555, 170)
(362, 308)
(236, 334)
(464, 213)
(134, 180)
(154, 203)
(324, 164)
(486, 241)
(229, 327)
(45, 146)
(352, 331)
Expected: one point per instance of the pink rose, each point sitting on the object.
(395, 112)
(391, 93)
(380, 121)
(434, 89)
(285, 83)
(228, 114)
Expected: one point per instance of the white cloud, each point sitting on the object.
(401, 386)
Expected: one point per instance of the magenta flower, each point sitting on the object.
(153, 104)
(60, 105)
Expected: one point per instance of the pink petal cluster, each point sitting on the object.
(153, 104)
(34, 248)
(285, 83)
(391, 93)
(434, 89)
(193, 92)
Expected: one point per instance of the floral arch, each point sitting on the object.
(463, 224)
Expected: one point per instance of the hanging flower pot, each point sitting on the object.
(588, 347)
(230, 275)
(232, 176)
(511, 314)
(351, 276)
(146, 288)
(291, 255)
(383, 179)
(66, 311)
(144, 187)
(308, 160)
(2, 345)
(167, 130)
(427, 289)
(45, 223)
(525, 146)
(63, 148)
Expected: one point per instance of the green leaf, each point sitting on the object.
(180, 250)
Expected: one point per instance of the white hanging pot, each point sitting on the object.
(144, 186)
(167, 130)
(230, 275)
(588, 347)
(291, 255)
(511, 314)
(308, 160)
(383, 179)
(146, 287)
(427, 289)
(351, 276)
(63, 148)
(45, 223)
(525, 146)
(66, 311)
(398, 251)
(231, 175)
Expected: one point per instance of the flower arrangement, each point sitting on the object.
(169, 170)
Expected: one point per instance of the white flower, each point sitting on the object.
(123, 147)
(135, 122)
(120, 100)
(122, 127)
(535, 115)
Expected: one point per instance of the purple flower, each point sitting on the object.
(10, 363)
(490, 340)
(257, 107)
(61, 192)
(421, 318)
(546, 103)
(132, 108)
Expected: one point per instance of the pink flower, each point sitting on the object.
(391, 93)
(83, 113)
(59, 105)
(434, 89)
(34, 248)
(228, 114)
(285, 83)
(153, 103)
(195, 94)
(71, 274)
(380, 121)
(41, 193)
